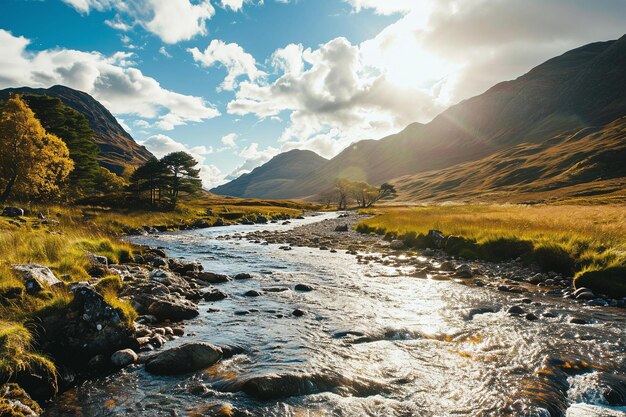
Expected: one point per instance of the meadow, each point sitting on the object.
(588, 242)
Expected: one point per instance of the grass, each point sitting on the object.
(586, 241)
(15, 352)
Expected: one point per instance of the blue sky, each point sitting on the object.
(235, 82)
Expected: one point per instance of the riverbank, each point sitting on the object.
(515, 276)
(71, 289)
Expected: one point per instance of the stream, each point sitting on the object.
(372, 342)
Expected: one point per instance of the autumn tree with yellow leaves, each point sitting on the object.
(33, 163)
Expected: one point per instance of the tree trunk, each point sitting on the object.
(7, 189)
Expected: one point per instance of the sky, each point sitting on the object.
(235, 82)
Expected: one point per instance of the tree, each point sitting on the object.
(150, 178)
(109, 182)
(165, 179)
(363, 193)
(33, 163)
(343, 188)
(182, 176)
(73, 128)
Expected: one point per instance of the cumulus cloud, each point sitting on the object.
(232, 56)
(386, 7)
(171, 20)
(254, 157)
(337, 100)
(234, 5)
(122, 89)
(164, 52)
(161, 145)
(230, 140)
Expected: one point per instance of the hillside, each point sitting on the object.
(585, 164)
(118, 149)
(281, 172)
(581, 88)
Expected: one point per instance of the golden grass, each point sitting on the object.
(15, 352)
(585, 238)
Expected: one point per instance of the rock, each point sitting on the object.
(36, 277)
(13, 212)
(341, 228)
(252, 293)
(586, 295)
(531, 317)
(214, 295)
(97, 260)
(15, 402)
(578, 320)
(464, 271)
(173, 310)
(123, 358)
(242, 276)
(479, 310)
(448, 266)
(516, 310)
(437, 238)
(182, 359)
(396, 245)
(298, 312)
(303, 287)
(210, 277)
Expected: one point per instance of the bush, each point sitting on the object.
(111, 283)
(610, 281)
(554, 258)
(504, 249)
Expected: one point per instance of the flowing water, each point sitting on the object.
(372, 343)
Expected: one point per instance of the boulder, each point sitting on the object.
(438, 238)
(341, 228)
(36, 277)
(175, 310)
(97, 260)
(516, 310)
(123, 358)
(298, 312)
(210, 277)
(214, 295)
(252, 293)
(13, 212)
(182, 359)
(15, 402)
(303, 287)
(448, 266)
(242, 276)
(396, 245)
(464, 271)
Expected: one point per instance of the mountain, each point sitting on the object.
(584, 164)
(284, 171)
(118, 150)
(581, 88)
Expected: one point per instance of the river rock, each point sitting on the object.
(36, 277)
(175, 310)
(464, 271)
(303, 287)
(210, 277)
(252, 293)
(123, 358)
(13, 212)
(516, 310)
(97, 260)
(438, 238)
(298, 312)
(447, 266)
(341, 228)
(182, 359)
(214, 295)
(242, 276)
(396, 245)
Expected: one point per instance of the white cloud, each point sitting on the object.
(171, 20)
(386, 7)
(122, 123)
(164, 52)
(230, 140)
(234, 5)
(122, 89)
(232, 56)
(161, 145)
(254, 157)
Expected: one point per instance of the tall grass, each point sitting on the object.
(568, 239)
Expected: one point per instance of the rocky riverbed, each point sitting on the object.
(311, 318)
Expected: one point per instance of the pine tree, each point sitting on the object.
(182, 177)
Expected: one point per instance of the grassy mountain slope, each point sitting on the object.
(283, 171)
(118, 150)
(586, 164)
(581, 88)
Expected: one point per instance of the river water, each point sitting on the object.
(373, 342)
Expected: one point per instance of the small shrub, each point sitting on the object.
(111, 283)
(610, 281)
(504, 249)
(554, 258)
